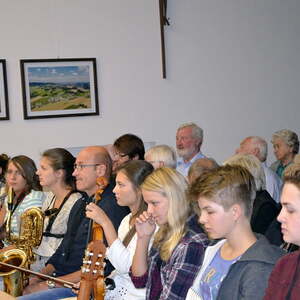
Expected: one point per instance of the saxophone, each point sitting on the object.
(30, 236)
(9, 212)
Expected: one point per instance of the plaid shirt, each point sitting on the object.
(171, 280)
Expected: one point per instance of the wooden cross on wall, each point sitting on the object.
(164, 21)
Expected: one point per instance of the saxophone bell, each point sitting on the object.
(30, 236)
(13, 280)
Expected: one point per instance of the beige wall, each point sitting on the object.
(232, 67)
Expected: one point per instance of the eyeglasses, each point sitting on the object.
(79, 167)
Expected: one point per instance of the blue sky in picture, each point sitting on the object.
(61, 74)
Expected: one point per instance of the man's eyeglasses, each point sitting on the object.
(79, 167)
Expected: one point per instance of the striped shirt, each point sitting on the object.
(33, 199)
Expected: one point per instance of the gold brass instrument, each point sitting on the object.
(9, 212)
(30, 236)
(13, 280)
(31, 232)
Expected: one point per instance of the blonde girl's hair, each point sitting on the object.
(173, 186)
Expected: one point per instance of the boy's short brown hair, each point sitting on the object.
(226, 185)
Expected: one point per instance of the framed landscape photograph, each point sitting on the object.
(4, 112)
(59, 87)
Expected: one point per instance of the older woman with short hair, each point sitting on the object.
(161, 156)
(286, 146)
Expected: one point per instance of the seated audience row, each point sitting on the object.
(91, 163)
(160, 240)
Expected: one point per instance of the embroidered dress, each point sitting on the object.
(49, 244)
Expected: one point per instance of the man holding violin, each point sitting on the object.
(91, 163)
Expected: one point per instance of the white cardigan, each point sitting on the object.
(210, 252)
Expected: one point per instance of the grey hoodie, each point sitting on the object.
(247, 278)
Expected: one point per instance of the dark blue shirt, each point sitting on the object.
(68, 256)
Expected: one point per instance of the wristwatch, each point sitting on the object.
(51, 284)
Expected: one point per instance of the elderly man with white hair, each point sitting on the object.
(189, 139)
(258, 147)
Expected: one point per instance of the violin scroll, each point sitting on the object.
(102, 183)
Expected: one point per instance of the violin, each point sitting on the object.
(92, 271)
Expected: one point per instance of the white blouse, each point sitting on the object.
(121, 258)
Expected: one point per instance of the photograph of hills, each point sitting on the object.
(59, 88)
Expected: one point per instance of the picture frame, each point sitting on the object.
(4, 109)
(55, 88)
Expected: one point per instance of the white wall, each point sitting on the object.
(232, 67)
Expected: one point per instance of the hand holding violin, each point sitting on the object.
(96, 213)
